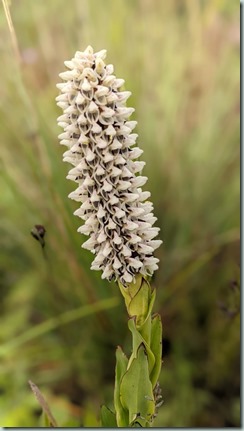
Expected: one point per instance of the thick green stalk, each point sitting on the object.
(137, 377)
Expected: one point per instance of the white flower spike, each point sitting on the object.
(97, 132)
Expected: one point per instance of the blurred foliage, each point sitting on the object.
(180, 59)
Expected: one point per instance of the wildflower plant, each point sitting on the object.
(118, 220)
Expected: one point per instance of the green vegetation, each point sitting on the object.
(60, 323)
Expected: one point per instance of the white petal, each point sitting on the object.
(95, 197)
(101, 54)
(80, 100)
(144, 226)
(126, 251)
(108, 157)
(113, 200)
(88, 182)
(116, 145)
(75, 196)
(135, 263)
(145, 248)
(124, 112)
(124, 130)
(118, 83)
(66, 142)
(89, 244)
(100, 65)
(110, 131)
(120, 160)
(135, 239)
(100, 171)
(72, 128)
(149, 218)
(123, 185)
(119, 213)
(127, 277)
(64, 135)
(62, 124)
(101, 91)
(117, 264)
(99, 259)
(108, 271)
(63, 117)
(126, 173)
(90, 156)
(139, 181)
(109, 80)
(68, 75)
(137, 166)
(101, 143)
(130, 225)
(144, 196)
(62, 98)
(101, 237)
(151, 233)
(124, 95)
(79, 213)
(109, 69)
(92, 221)
(86, 205)
(86, 86)
(115, 172)
(60, 86)
(84, 229)
(96, 129)
(136, 212)
(107, 112)
(69, 64)
(84, 140)
(131, 124)
(151, 260)
(92, 107)
(155, 243)
(101, 213)
(107, 187)
(112, 97)
(82, 119)
(107, 249)
(135, 153)
(131, 197)
(117, 240)
(111, 224)
(88, 51)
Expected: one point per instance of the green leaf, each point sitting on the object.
(136, 391)
(139, 303)
(137, 340)
(156, 347)
(121, 366)
(151, 303)
(108, 418)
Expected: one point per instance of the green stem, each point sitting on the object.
(136, 378)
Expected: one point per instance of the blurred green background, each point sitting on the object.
(180, 59)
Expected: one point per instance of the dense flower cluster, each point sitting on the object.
(97, 131)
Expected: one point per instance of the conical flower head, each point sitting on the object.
(117, 216)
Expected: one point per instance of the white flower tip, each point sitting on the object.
(102, 54)
(89, 50)
(69, 64)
